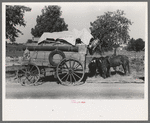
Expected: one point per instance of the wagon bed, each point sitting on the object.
(69, 69)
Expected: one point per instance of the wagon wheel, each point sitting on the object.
(70, 72)
(28, 74)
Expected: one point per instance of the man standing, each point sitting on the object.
(26, 54)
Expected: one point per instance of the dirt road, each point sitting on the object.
(90, 90)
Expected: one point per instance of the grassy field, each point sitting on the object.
(136, 56)
(14, 50)
(14, 53)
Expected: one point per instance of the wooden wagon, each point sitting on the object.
(66, 63)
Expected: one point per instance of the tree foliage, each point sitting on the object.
(111, 28)
(49, 21)
(131, 45)
(14, 17)
(136, 45)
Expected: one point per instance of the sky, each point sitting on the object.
(78, 15)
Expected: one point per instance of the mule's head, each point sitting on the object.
(92, 45)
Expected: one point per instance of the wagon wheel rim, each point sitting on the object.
(70, 72)
(28, 74)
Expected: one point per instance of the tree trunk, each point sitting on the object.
(115, 51)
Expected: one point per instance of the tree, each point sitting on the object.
(111, 29)
(136, 45)
(139, 44)
(49, 21)
(131, 45)
(14, 17)
(29, 41)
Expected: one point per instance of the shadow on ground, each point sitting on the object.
(53, 79)
(117, 72)
(112, 74)
(49, 79)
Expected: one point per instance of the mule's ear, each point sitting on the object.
(100, 61)
(93, 60)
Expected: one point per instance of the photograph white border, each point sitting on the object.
(60, 110)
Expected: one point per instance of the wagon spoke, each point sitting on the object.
(63, 66)
(79, 69)
(22, 70)
(65, 70)
(34, 72)
(32, 79)
(70, 63)
(66, 65)
(31, 68)
(29, 79)
(73, 64)
(64, 76)
(67, 77)
(70, 78)
(76, 66)
(76, 75)
(28, 67)
(36, 77)
(78, 72)
(62, 72)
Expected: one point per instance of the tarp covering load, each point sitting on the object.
(69, 36)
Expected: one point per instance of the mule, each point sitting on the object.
(114, 61)
(109, 61)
